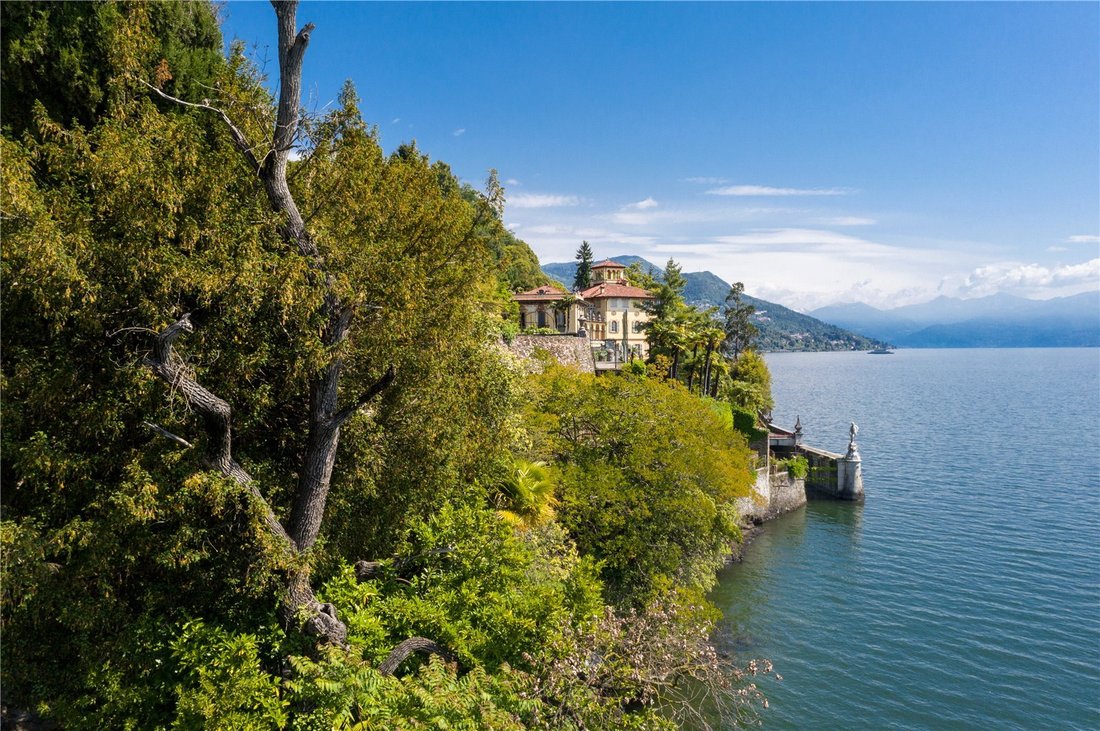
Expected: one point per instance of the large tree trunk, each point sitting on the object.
(299, 606)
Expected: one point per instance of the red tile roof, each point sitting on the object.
(617, 288)
(545, 293)
(608, 264)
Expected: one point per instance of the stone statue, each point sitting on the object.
(853, 450)
(853, 431)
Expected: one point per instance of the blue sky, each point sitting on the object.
(876, 152)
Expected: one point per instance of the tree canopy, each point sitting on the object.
(263, 454)
(583, 278)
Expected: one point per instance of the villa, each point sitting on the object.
(609, 313)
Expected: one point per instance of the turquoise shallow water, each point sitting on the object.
(965, 592)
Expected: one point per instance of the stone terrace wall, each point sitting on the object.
(568, 350)
(772, 496)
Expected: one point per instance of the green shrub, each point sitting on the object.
(485, 591)
(797, 466)
(508, 331)
(744, 421)
(221, 683)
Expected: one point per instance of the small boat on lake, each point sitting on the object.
(881, 351)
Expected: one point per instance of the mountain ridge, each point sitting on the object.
(996, 321)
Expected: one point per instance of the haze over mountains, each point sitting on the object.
(780, 328)
(997, 321)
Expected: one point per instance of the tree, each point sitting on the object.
(583, 278)
(66, 57)
(713, 336)
(649, 477)
(283, 311)
(751, 383)
(740, 331)
(526, 497)
(337, 310)
(669, 324)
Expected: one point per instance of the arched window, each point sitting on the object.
(613, 326)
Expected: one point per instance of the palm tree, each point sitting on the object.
(525, 495)
(713, 336)
(697, 326)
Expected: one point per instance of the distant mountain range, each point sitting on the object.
(780, 328)
(997, 321)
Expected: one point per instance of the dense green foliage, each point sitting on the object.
(68, 56)
(750, 386)
(654, 516)
(140, 588)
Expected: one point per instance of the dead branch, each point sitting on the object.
(168, 435)
(239, 139)
(216, 414)
(367, 396)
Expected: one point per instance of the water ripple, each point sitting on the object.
(965, 593)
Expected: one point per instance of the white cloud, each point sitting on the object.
(800, 240)
(802, 255)
(459, 132)
(678, 221)
(513, 182)
(542, 200)
(847, 221)
(396, 120)
(1032, 278)
(637, 218)
(640, 213)
(1084, 239)
(767, 190)
(707, 180)
(1057, 249)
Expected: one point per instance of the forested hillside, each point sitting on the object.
(265, 463)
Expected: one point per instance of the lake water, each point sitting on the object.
(965, 592)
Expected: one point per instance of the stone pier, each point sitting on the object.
(831, 475)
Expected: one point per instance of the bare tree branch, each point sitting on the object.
(215, 413)
(168, 435)
(238, 136)
(366, 397)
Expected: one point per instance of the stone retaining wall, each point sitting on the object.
(772, 495)
(568, 350)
